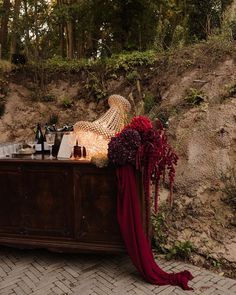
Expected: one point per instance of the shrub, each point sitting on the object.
(194, 97)
(149, 102)
(159, 235)
(95, 87)
(132, 76)
(67, 103)
(127, 61)
(181, 250)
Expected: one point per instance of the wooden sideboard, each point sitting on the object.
(64, 206)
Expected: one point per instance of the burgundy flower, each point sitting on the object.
(140, 124)
(122, 149)
(140, 144)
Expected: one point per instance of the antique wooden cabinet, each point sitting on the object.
(59, 205)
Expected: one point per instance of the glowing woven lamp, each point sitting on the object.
(96, 135)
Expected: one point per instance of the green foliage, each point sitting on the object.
(179, 36)
(123, 61)
(95, 28)
(211, 261)
(132, 76)
(128, 61)
(58, 63)
(216, 263)
(149, 102)
(159, 233)
(163, 116)
(180, 250)
(95, 87)
(67, 103)
(194, 97)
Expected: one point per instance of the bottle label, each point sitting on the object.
(38, 147)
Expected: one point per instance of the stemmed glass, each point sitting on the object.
(50, 138)
(31, 143)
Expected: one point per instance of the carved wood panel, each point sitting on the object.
(48, 206)
(97, 191)
(10, 199)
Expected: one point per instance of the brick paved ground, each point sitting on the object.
(43, 273)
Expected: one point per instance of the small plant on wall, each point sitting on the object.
(67, 103)
(194, 97)
(94, 86)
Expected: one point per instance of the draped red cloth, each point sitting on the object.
(136, 242)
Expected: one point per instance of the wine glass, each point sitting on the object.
(31, 143)
(50, 138)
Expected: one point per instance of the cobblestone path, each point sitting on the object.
(37, 272)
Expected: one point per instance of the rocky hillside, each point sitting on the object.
(193, 91)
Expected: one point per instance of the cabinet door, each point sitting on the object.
(48, 207)
(96, 189)
(10, 199)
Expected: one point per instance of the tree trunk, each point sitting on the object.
(4, 28)
(70, 39)
(62, 39)
(14, 44)
(61, 28)
(27, 34)
(36, 49)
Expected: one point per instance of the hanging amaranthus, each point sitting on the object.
(146, 147)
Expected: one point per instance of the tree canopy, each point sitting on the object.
(91, 28)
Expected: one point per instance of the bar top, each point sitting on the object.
(42, 159)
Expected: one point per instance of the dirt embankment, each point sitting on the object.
(194, 93)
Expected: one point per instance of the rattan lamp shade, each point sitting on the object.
(96, 135)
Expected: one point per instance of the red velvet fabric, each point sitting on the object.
(136, 242)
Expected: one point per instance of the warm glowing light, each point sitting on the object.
(96, 135)
(94, 144)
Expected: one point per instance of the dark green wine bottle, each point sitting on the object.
(39, 139)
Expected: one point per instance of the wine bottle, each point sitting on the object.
(39, 139)
(77, 151)
(57, 143)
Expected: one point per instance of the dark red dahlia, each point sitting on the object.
(122, 149)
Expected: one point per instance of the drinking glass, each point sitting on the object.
(1, 151)
(6, 149)
(50, 138)
(31, 143)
